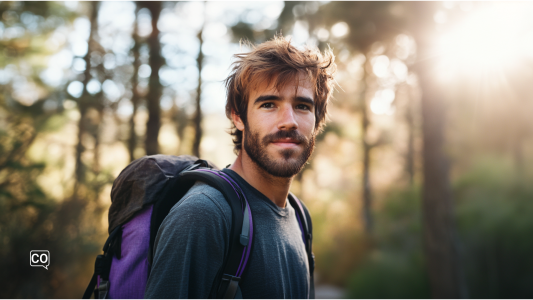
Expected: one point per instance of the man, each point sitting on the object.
(277, 99)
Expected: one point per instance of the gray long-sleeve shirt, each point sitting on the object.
(192, 242)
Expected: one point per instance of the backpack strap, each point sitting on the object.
(241, 227)
(102, 265)
(306, 226)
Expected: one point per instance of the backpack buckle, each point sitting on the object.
(233, 285)
(244, 240)
(103, 289)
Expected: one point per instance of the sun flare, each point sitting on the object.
(489, 40)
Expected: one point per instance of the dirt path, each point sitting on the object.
(328, 292)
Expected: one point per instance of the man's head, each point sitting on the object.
(277, 100)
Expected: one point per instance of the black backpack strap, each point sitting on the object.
(102, 265)
(306, 225)
(241, 227)
(163, 206)
(90, 288)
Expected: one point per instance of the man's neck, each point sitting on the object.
(274, 188)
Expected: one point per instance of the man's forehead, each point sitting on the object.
(275, 84)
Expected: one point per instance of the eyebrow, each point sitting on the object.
(266, 98)
(274, 97)
(305, 100)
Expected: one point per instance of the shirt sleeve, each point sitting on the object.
(189, 249)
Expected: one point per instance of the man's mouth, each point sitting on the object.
(286, 142)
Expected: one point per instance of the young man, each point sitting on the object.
(277, 101)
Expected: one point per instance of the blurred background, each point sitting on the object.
(420, 185)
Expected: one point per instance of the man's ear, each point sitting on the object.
(237, 120)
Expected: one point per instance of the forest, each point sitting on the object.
(420, 186)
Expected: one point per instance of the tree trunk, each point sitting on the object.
(80, 168)
(156, 90)
(445, 275)
(84, 101)
(365, 122)
(132, 140)
(181, 120)
(198, 115)
(97, 136)
(410, 155)
(437, 207)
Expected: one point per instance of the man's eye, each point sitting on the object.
(268, 105)
(303, 106)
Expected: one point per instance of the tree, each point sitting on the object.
(367, 147)
(198, 114)
(439, 230)
(135, 98)
(153, 98)
(410, 119)
(86, 100)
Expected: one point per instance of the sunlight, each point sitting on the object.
(489, 40)
(381, 104)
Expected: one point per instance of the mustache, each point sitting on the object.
(283, 134)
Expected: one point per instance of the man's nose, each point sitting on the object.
(287, 120)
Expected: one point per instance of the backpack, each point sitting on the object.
(142, 196)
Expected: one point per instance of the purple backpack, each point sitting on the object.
(142, 196)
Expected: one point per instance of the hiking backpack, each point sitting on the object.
(142, 196)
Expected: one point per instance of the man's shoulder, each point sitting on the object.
(201, 200)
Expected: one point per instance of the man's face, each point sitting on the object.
(280, 132)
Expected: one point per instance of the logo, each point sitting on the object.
(40, 258)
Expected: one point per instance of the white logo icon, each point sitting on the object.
(40, 258)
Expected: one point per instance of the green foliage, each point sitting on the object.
(400, 220)
(31, 220)
(493, 214)
(54, 123)
(338, 250)
(245, 31)
(242, 31)
(390, 275)
(34, 21)
(368, 21)
(333, 127)
(395, 268)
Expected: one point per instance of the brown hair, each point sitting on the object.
(278, 60)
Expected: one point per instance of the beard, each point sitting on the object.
(288, 165)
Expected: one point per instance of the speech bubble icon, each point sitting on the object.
(40, 258)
